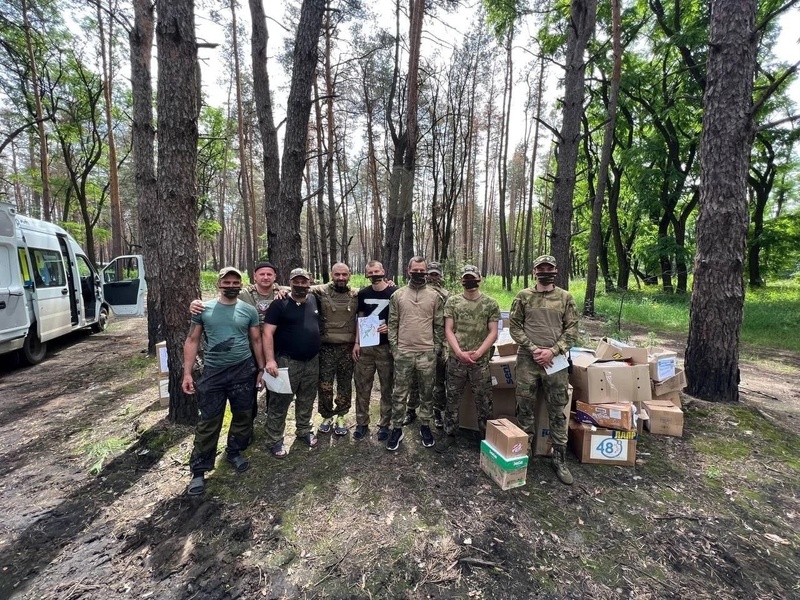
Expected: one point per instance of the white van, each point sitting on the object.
(48, 287)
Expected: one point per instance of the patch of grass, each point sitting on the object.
(98, 452)
(727, 447)
(139, 362)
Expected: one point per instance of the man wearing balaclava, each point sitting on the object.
(544, 322)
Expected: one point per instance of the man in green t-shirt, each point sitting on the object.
(470, 327)
(233, 362)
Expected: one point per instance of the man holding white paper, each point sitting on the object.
(544, 322)
(373, 303)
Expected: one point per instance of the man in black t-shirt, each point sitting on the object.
(374, 300)
(291, 336)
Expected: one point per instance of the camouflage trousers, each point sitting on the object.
(439, 387)
(303, 375)
(479, 380)
(216, 387)
(374, 359)
(530, 377)
(335, 363)
(409, 366)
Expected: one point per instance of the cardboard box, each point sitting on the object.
(506, 438)
(506, 349)
(673, 396)
(603, 382)
(662, 364)
(542, 445)
(665, 418)
(503, 370)
(673, 384)
(504, 406)
(506, 472)
(161, 354)
(611, 349)
(503, 322)
(163, 390)
(617, 415)
(594, 445)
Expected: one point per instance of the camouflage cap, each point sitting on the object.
(227, 270)
(299, 272)
(545, 259)
(434, 267)
(471, 270)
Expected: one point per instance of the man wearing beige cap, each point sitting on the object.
(544, 322)
(232, 364)
(292, 339)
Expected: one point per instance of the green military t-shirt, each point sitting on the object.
(226, 332)
(471, 319)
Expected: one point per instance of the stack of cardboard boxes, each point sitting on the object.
(504, 453)
(163, 374)
(618, 388)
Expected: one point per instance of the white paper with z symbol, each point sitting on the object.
(279, 384)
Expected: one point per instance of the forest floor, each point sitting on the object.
(93, 502)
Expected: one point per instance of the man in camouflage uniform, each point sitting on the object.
(337, 305)
(416, 333)
(374, 301)
(470, 327)
(292, 339)
(434, 280)
(544, 322)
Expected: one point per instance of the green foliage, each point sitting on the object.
(208, 229)
(98, 452)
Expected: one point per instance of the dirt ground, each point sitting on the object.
(93, 504)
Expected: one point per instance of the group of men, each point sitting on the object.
(431, 345)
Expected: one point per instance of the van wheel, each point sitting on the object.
(33, 350)
(102, 321)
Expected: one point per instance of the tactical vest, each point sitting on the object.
(338, 310)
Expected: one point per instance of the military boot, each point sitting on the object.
(559, 463)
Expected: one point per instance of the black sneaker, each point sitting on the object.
(427, 436)
(437, 419)
(383, 433)
(361, 432)
(394, 439)
(411, 416)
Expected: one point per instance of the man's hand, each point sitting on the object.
(383, 328)
(474, 355)
(543, 357)
(272, 368)
(259, 380)
(280, 293)
(196, 307)
(465, 358)
(356, 352)
(188, 384)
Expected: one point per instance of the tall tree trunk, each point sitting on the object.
(113, 177)
(44, 161)
(579, 30)
(142, 142)
(244, 185)
(283, 217)
(263, 102)
(605, 160)
(323, 229)
(712, 351)
(502, 163)
(331, 141)
(177, 256)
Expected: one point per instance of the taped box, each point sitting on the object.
(506, 472)
(673, 384)
(665, 418)
(506, 438)
(503, 371)
(163, 390)
(673, 396)
(161, 354)
(603, 382)
(595, 445)
(662, 364)
(505, 345)
(611, 349)
(615, 415)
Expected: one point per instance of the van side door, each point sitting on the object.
(13, 308)
(124, 287)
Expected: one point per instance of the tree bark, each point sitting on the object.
(712, 351)
(579, 30)
(176, 207)
(283, 217)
